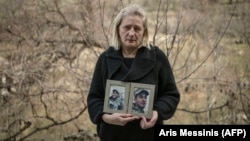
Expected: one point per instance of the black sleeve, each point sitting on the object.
(95, 99)
(168, 94)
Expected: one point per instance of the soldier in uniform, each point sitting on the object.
(140, 101)
(115, 100)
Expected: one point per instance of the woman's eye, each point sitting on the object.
(137, 29)
(127, 27)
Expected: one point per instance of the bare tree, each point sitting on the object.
(46, 40)
(184, 35)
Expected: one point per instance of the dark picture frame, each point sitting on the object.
(138, 89)
(112, 105)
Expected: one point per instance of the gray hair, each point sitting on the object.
(129, 10)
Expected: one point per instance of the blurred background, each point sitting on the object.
(48, 50)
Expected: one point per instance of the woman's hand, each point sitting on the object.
(148, 123)
(118, 118)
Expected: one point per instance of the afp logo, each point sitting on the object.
(233, 133)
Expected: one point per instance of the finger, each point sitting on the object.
(128, 119)
(124, 121)
(152, 120)
(125, 115)
(154, 117)
(143, 122)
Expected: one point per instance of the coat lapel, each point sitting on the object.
(114, 62)
(142, 65)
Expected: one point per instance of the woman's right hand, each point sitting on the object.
(118, 118)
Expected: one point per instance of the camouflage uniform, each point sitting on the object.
(115, 103)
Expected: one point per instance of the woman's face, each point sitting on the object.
(131, 31)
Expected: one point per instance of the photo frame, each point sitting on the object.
(119, 104)
(128, 97)
(143, 94)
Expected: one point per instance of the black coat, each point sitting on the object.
(149, 67)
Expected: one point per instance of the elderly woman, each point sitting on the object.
(132, 59)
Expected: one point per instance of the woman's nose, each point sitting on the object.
(131, 31)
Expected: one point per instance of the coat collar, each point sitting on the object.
(144, 62)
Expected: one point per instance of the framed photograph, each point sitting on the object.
(141, 99)
(116, 97)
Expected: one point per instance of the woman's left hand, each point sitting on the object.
(148, 123)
